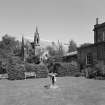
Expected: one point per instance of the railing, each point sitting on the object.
(4, 76)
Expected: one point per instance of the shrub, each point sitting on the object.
(77, 74)
(33, 59)
(100, 68)
(64, 69)
(29, 67)
(15, 72)
(40, 69)
(89, 72)
(15, 69)
(96, 71)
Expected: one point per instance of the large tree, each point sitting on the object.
(72, 46)
(8, 46)
(56, 50)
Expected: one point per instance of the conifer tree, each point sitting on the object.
(22, 48)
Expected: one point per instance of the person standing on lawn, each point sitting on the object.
(53, 79)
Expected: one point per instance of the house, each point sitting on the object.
(93, 53)
(69, 57)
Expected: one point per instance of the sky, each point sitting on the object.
(61, 20)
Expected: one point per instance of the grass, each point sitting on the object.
(70, 91)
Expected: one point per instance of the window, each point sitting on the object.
(89, 59)
(100, 37)
(103, 36)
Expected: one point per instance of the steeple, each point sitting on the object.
(97, 21)
(36, 40)
(36, 37)
(36, 29)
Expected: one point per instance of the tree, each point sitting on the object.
(8, 43)
(60, 49)
(22, 49)
(72, 46)
(51, 50)
(7, 46)
(56, 50)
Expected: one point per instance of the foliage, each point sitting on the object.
(96, 71)
(22, 49)
(72, 46)
(56, 50)
(63, 69)
(17, 50)
(29, 67)
(2, 68)
(100, 68)
(60, 49)
(51, 50)
(33, 59)
(40, 69)
(8, 45)
(15, 68)
(90, 72)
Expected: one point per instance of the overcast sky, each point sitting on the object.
(56, 19)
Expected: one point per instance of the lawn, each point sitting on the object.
(70, 91)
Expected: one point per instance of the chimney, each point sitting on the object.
(96, 21)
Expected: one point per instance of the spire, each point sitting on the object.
(36, 37)
(36, 40)
(97, 19)
(36, 29)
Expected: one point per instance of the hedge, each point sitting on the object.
(16, 68)
(40, 69)
(15, 72)
(64, 69)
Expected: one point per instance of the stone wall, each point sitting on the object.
(97, 50)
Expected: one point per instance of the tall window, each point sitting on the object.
(89, 59)
(100, 36)
(103, 35)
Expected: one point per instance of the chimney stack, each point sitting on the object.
(97, 21)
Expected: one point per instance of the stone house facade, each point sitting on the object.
(93, 53)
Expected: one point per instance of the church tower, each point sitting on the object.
(36, 40)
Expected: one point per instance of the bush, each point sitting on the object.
(90, 72)
(33, 59)
(15, 69)
(29, 67)
(100, 69)
(77, 74)
(96, 71)
(15, 72)
(99, 78)
(64, 69)
(40, 69)
(2, 68)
